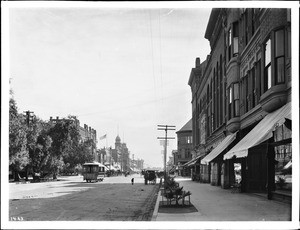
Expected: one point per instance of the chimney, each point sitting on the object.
(197, 62)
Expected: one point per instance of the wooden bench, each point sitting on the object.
(171, 195)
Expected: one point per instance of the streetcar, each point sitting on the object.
(93, 171)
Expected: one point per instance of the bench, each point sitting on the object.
(175, 195)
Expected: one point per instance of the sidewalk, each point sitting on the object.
(212, 203)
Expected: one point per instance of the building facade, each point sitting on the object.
(184, 149)
(120, 155)
(245, 80)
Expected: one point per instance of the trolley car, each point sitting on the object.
(93, 172)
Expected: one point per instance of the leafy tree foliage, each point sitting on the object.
(18, 154)
(45, 147)
(40, 154)
(68, 146)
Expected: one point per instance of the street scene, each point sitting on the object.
(155, 114)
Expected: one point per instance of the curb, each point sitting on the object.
(155, 212)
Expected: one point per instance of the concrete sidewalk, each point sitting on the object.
(212, 203)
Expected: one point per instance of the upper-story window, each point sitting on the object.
(232, 41)
(274, 59)
(235, 38)
(279, 56)
(229, 41)
(233, 102)
(267, 68)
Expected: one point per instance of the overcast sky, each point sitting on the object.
(119, 70)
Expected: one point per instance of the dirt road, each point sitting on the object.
(72, 199)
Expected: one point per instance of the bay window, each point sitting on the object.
(274, 58)
(279, 56)
(229, 102)
(235, 38)
(236, 100)
(232, 41)
(267, 68)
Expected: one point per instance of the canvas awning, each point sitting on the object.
(219, 149)
(193, 161)
(261, 132)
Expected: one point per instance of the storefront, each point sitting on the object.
(215, 159)
(256, 152)
(194, 167)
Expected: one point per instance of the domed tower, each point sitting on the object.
(118, 142)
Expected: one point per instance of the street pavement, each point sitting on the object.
(70, 198)
(212, 203)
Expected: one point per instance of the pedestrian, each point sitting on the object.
(132, 181)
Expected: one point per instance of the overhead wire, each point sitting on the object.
(152, 54)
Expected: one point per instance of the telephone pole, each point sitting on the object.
(166, 128)
(28, 116)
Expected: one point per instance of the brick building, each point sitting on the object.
(184, 148)
(241, 98)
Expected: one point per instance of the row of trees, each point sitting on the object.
(42, 147)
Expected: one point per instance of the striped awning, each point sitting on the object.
(261, 132)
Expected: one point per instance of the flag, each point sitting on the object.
(103, 137)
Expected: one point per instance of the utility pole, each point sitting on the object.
(166, 128)
(28, 119)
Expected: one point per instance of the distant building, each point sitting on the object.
(86, 132)
(120, 155)
(184, 148)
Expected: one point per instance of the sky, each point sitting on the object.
(121, 71)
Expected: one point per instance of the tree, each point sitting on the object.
(78, 153)
(18, 154)
(40, 154)
(66, 143)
